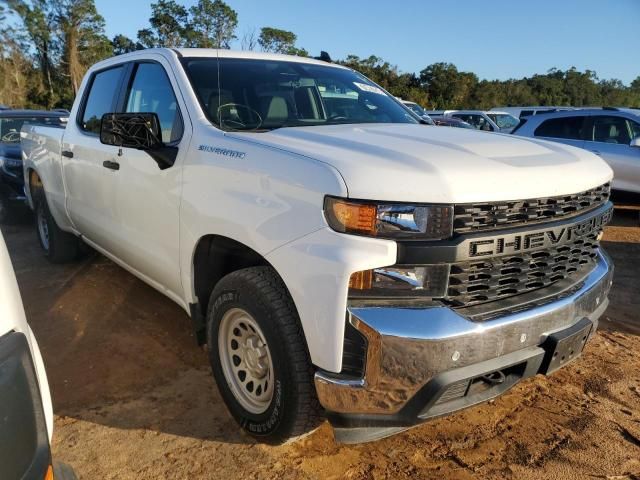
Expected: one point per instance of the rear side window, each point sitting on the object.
(101, 98)
(151, 91)
(526, 113)
(565, 127)
(610, 129)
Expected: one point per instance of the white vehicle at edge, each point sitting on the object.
(26, 414)
(325, 244)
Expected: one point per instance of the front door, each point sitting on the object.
(146, 195)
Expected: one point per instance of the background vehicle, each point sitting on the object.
(12, 199)
(521, 112)
(331, 250)
(418, 110)
(26, 417)
(443, 121)
(490, 122)
(505, 121)
(611, 133)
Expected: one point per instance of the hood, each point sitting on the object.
(421, 163)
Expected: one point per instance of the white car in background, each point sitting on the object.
(611, 133)
(26, 414)
(501, 122)
(521, 112)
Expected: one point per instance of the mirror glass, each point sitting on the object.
(131, 130)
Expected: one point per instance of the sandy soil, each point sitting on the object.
(134, 398)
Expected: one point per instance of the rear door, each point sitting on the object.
(146, 198)
(569, 129)
(89, 195)
(609, 136)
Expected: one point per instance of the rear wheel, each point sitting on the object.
(259, 356)
(59, 246)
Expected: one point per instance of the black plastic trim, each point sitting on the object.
(24, 440)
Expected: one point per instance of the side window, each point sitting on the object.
(610, 129)
(101, 98)
(564, 127)
(151, 91)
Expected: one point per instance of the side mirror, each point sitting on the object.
(131, 130)
(635, 142)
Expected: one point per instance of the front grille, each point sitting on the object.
(473, 217)
(495, 278)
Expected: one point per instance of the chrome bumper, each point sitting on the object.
(408, 347)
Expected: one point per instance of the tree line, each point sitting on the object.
(46, 46)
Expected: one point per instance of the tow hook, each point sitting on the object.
(494, 378)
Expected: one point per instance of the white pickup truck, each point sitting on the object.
(338, 257)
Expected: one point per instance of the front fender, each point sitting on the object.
(316, 270)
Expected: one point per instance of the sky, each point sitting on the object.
(496, 39)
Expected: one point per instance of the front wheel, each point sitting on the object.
(58, 246)
(259, 356)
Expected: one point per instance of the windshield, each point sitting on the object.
(10, 126)
(504, 120)
(416, 108)
(264, 95)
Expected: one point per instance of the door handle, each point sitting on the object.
(67, 153)
(111, 165)
(596, 152)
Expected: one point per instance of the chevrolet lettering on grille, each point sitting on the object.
(549, 237)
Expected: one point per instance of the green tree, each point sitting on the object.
(447, 87)
(38, 22)
(123, 44)
(83, 39)
(275, 40)
(169, 26)
(212, 24)
(17, 72)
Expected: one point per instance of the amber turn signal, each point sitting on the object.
(49, 474)
(352, 217)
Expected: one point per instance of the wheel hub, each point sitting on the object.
(246, 360)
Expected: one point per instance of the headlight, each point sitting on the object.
(389, 220)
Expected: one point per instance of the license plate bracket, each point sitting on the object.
(565, 346)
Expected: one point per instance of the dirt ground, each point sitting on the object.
(134, 398)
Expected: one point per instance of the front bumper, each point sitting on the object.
(421, 361)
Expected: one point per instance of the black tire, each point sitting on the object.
(294, 408)
(58, 246)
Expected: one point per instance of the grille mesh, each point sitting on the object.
(494, 278)
(485, 216)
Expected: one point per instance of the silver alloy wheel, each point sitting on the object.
(246, 360)
(43, 228)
